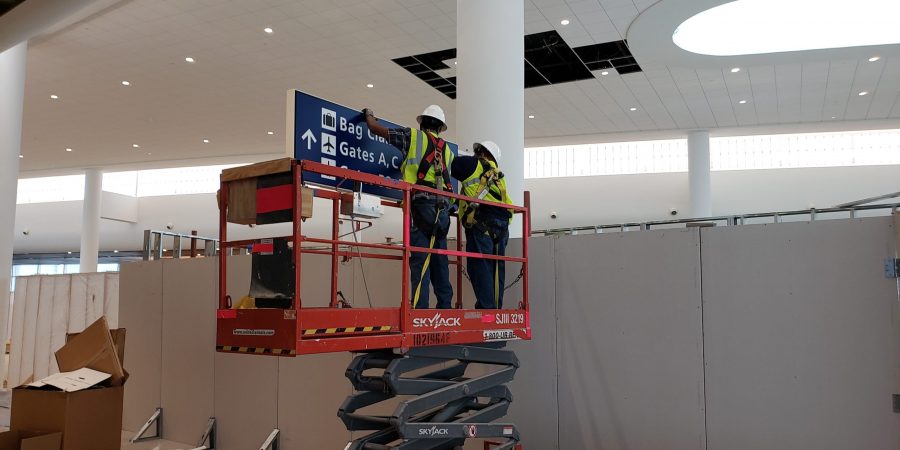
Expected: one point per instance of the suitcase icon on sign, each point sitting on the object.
(329, 119)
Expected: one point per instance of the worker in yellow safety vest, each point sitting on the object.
(487, 227)
(427, 159)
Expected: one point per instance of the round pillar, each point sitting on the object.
(90, 220)
(698, 173)
(490, 102)
(12, 98)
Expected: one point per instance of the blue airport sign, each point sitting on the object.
(332, 134)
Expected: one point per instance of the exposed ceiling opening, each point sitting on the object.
(549, 60)
(7, 5)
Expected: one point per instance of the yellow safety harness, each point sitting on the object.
(489, 179)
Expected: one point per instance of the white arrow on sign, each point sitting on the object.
(309, 138)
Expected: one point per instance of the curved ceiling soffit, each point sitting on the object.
(650, 41)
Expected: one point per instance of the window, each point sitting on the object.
(606, 159)
(781, 151)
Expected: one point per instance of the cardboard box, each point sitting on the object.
(89, 417)
(29, 440)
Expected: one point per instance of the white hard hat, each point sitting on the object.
(436, 112)
(492, 148)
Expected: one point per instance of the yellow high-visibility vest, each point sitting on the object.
(419, 145)
(471, 186)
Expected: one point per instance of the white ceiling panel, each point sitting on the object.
(234, 92)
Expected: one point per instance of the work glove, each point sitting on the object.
(368, 112)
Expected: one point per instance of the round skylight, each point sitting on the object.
(748, 27)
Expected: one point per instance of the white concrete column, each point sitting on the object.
(490, 102)
(698, 171)
(12, 98)
(90, 220)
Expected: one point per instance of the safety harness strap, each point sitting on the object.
(434, 159)
(487, 185)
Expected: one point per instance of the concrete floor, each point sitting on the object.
(151, 445)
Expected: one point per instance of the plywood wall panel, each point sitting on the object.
(78, 304)
(96, 297)
(60, 320)
(20, 300)
(111, 299)
(43, 328)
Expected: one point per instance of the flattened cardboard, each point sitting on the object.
(118, 336)
(29, 440)
(73, 381)
(93, 348)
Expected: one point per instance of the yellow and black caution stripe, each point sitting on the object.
(257, 350)
(315, 331)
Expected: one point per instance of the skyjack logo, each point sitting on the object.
(436, 322)
(434, 431)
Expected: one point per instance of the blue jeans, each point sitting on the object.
(487, 275)
(426, 221)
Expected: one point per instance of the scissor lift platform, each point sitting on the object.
(281, 195)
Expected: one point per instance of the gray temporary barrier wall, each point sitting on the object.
(760, 336)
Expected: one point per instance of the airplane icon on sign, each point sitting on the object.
(329, 144)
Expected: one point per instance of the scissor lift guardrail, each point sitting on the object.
(300, 330)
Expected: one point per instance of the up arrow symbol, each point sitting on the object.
(309, 138)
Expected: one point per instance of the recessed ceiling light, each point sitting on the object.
(268, 30)
(742, 102)
(21, 156)
(115, 251)
(531, 117)
(370, 85)
(206, 141)
(632, 109)
(68, 149)
(125, 83)
(735, 69)
(604, 73)
(874, 58)
(833, 117)
(189, 59)
(270, 133)
(69, 253)
(148, 153)
(564, 21)
(135, 145)
(863, 93)
(54, 96)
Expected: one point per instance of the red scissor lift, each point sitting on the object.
(447, 408)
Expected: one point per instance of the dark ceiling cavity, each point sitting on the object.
(548, 60)
(7, 5)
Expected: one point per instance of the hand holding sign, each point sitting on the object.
(345, 141)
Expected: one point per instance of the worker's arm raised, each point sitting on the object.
(375, 127)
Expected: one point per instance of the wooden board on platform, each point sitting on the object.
(255, 170)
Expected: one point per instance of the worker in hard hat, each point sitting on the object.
(487, 227)
(427, 159)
